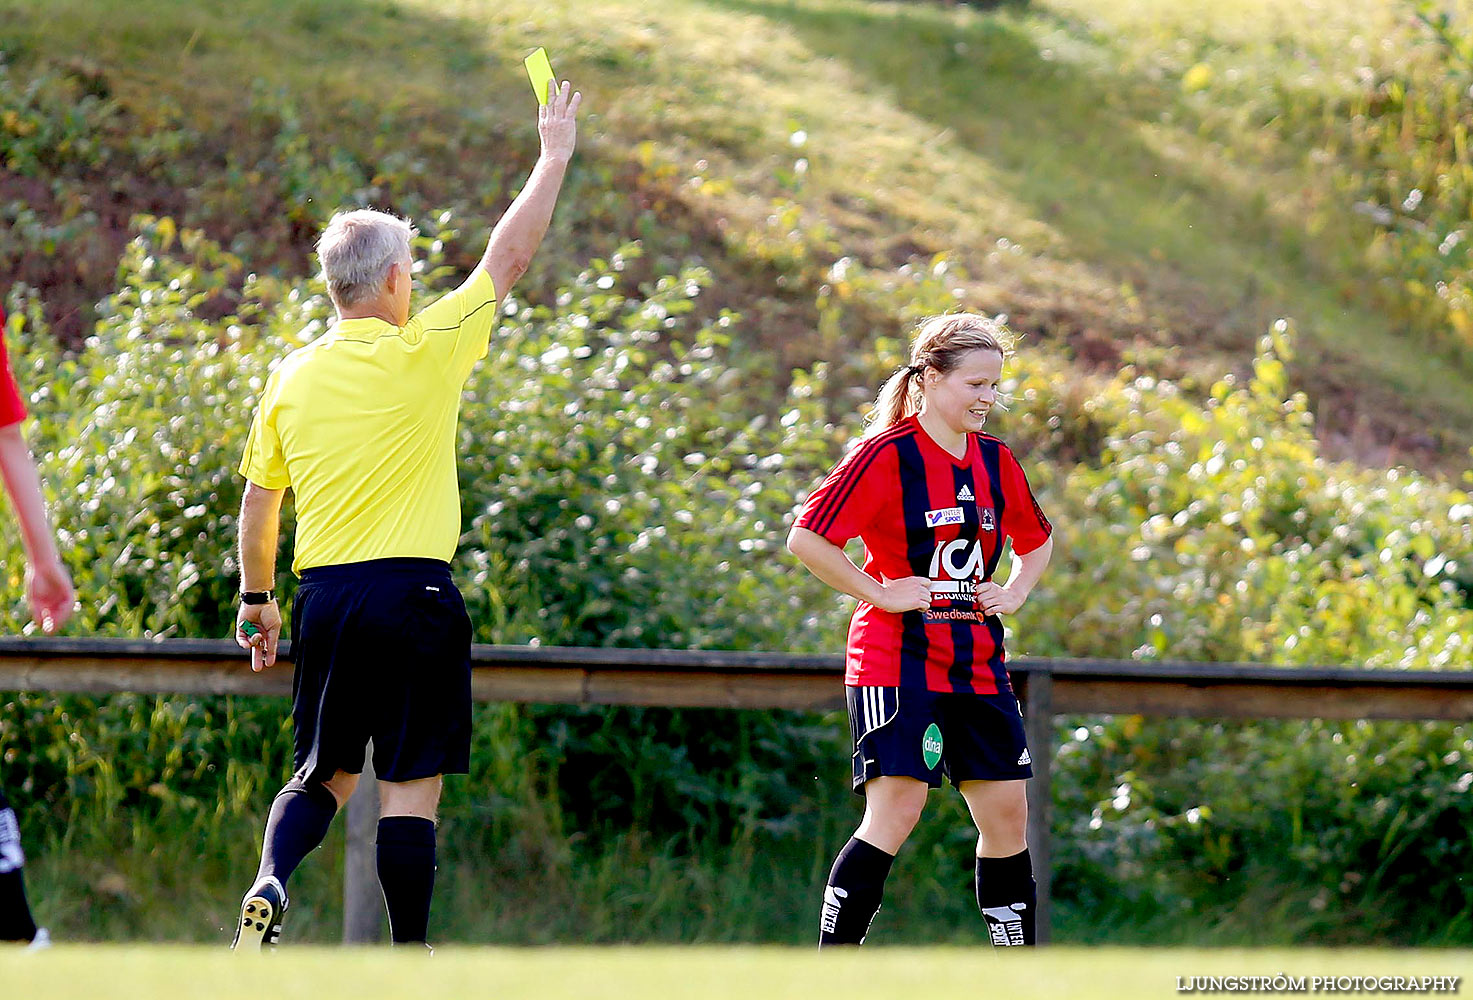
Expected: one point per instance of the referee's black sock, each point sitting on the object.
(406, 870)
(300, 816)
(852, 897)
(16, 923)
(1008, 899)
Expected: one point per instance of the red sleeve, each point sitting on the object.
(1022, 519)
(12, 410)
(850, 496)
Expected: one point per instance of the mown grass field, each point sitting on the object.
(175, 973)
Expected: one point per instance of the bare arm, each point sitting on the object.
(1027, 569)
(828, 562)
(260, 520)
(517, 236)
(48, 584)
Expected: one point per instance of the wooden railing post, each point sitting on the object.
(363, 910)
(1039, 724)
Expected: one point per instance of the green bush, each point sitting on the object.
(621, 488)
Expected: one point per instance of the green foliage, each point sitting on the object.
(55, 124)
(1218, 533)
(618, 490)
(612, 496)
(630, 463)
(1346, 833)
(1410, 171)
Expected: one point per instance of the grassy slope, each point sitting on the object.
(1141, 223)
(167, 973)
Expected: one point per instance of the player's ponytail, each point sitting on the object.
(940, 343)
(895, 402)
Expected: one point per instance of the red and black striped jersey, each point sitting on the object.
(12, 410)
(920, 511)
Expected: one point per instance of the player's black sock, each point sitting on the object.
(15, 912)
(852, 897)
(406, 870)
(300, 816)
(1008, 899)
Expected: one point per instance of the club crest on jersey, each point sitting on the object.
(945, 515)
(965, 493)
(986, 520)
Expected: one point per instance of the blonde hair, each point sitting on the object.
(940, 343)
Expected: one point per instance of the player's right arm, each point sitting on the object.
(845, 505)
(48, 584)
(833, 566)
(519, 233)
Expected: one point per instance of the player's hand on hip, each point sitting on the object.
(258, 628)
(49, 592)
(909, 593)
(557, 122)
(995, 600)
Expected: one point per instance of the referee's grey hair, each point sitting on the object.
(356, 251)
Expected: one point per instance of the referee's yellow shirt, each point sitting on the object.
(361, 425)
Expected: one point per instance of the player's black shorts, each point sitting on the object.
(382, 651)
(914, 733)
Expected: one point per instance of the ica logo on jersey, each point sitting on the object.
(956, 568)
(958, 559)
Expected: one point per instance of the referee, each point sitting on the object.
(361, 425)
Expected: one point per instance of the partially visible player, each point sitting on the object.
(361, 425)
(934, 500)
(49, 592)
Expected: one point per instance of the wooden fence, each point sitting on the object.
(723, 679)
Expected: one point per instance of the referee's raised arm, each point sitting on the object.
(517, 236)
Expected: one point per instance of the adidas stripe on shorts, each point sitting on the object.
(915, 733)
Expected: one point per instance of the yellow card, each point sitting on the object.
(540, 72)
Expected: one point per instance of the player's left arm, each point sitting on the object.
(260, 520)
(48, 584)
(1027, 570)
(1032, 535)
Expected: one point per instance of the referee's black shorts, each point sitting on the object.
(382, 651)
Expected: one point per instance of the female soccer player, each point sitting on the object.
(933, 499)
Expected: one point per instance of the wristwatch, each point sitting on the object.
(257, 596)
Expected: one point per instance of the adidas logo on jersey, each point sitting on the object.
(1024, 758)
(965, 493)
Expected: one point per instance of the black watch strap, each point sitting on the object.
(257, 596)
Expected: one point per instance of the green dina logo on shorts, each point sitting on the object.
(931, 745)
